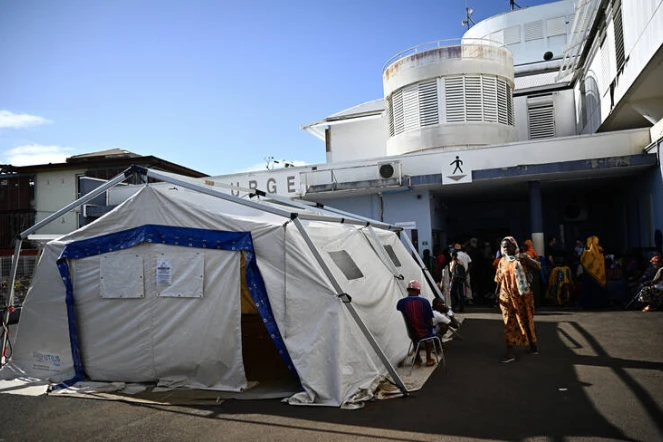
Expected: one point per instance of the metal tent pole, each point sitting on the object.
(19, 240)
(303, 204)
(370, 221)
(10, 300)
(353, 312)
(384, 256)
(424, 269)
(262, 207)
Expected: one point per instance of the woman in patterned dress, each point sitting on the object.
(594, 278)
(516, 302)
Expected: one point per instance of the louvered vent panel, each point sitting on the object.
(428, 110)
(473, 108)
(541, 121)
(619, 37)
(512, 35)
(497, 36)
(533, 30)
(509, 105)
(397, 101)
(390, 115)
(489, 86)
(502, 108)
(556, 26)
(411, 107)
(455, 99)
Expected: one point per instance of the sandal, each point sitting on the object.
(430, 363)
(507, 359)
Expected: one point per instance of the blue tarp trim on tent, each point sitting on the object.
(174, 236)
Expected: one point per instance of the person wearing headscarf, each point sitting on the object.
(515, 299)
(652, 292)
(594, 277)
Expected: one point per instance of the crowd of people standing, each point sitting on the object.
(585, 276)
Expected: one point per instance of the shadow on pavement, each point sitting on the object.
(538, 395)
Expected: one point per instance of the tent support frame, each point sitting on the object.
(429, 277)
(353, 312)
(273, 210)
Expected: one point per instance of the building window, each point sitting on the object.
(541, 119)
(346, 264)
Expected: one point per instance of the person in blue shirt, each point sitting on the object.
(418, 315)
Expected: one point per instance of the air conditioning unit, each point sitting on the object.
(389, 170)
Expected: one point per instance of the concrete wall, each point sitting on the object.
(53, 191)
(395, 207)
(358, 140)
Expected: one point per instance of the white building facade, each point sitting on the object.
(540, 121)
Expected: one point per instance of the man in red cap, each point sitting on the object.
(418, 317)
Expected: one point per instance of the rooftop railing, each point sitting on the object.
(439, 44)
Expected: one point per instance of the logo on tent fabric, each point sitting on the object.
(45, 361)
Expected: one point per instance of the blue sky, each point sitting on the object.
(216, 86)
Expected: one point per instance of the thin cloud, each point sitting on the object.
(259, 167)
(32, 154)
(10, 120)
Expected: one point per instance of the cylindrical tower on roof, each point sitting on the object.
(449, 93)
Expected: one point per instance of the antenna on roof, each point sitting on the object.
(468, 16)
(513, 5)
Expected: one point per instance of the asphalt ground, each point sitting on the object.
(598, 377)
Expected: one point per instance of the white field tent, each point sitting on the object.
(161, 290)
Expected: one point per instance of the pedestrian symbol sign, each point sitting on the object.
(456, 170)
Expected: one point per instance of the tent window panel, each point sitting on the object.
(121, 276)
(392, 255)
(346, 264)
